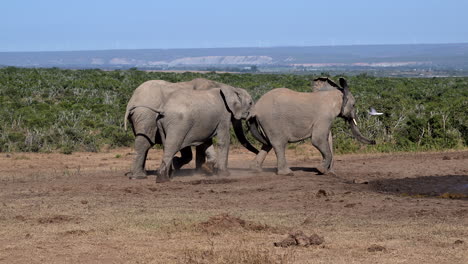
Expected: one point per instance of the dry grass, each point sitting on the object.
(80, 208)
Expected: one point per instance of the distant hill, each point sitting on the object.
(451, 56)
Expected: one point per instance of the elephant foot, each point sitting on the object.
(208, 168)
(137, 176)
(254, 166)
(161, 179)
(285, 172)
(224, 173)
(328, 172)
(331, 173)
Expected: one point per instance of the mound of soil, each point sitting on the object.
(228, 222)
(298, 238)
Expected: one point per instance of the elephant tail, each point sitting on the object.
(257, 131)
(128, 112)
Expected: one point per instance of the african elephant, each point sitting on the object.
(283, 116)
(193, 117)
(142, 113)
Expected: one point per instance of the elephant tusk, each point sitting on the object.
(354, 120)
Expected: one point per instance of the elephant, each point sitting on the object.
(142, 113)
(194, 117)
(283, 116)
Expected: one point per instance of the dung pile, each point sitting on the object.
(298, 238)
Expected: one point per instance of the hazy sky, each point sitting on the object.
(52, 25)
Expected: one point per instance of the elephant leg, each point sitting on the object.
(171, 147)
(211, 153)
(206, 157)
(142, 146)
(323, 141)
(257, 163)
(223, 149)
(330, 143)
(280, 150)
(185, 158)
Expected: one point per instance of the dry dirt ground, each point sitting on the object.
(382, 208)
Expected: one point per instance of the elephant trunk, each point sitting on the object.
(357, 134)
(238, 129)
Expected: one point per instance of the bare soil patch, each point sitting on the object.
(381, 208)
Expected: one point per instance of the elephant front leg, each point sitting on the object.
(257, 163)
(142, 146)
(223, 148)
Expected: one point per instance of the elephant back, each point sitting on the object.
(324, 84)
(152, 94)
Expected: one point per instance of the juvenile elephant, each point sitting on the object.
(193, 117)
(282, 116)
(142, 113)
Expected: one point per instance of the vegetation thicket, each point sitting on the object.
(45, 110)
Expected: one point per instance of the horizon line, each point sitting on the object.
(243, 47)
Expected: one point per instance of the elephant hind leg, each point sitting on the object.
(257, 163)
(171, 147)
(323, 142)
(206, 157)
(280, 150)
(142, 146)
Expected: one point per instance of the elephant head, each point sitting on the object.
(240, 103)
(348, 112)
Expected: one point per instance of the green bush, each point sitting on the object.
(45, 110)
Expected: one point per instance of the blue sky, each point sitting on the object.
(53, 25)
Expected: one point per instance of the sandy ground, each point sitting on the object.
(381, 208)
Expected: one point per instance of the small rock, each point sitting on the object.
(458, 242)
(316, 239)
(360, 181)
(301, 239)
(84, 202)
(445, 158)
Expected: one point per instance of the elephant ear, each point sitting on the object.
(233, 101)
(345, 87)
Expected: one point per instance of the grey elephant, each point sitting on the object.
(282, 116)
(142, 113)
(194, 117)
